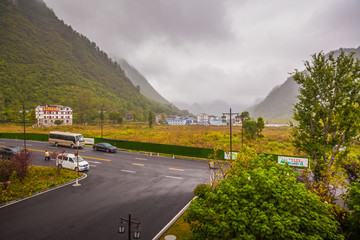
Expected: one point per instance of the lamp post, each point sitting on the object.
(224, 120)
(136, 229)
(23, 111)
(101, 112)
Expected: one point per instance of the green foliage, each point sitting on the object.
(260, 200)
(253, 129)
(328, 107)
(38, 179)
(44, 61)
(250, 129)
(150, 119)
(201, 190)
(352, 222)
(116, 117)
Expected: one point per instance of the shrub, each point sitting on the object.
(352, 222)
(261, 200)
(6, 170)
(201, 189)
(21, 162)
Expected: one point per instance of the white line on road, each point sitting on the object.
(92, 165)
(173, 177)
(143, 159)
(128, 171)
(94, 162)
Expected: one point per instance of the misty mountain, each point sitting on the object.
(141, 83)
(44, 61)
(214, 108)
(278, 104)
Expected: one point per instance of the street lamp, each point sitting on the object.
(136, 230)
(101, 112)
(23, 111)
(224, 120)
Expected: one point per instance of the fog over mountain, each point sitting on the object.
(278, 104)
(207, 50)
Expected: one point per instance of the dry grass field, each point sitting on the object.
(276, 140)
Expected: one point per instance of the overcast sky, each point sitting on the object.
(206, 50)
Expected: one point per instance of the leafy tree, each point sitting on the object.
(116, 117)
(260, 124)
(150, 119)
(328, 109)
(250, 129)
(260, 199)
(244, 116)
(85, 106)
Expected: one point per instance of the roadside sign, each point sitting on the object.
(294, 161)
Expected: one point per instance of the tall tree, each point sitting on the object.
(328, 110)
(244, 116)
(150, 119)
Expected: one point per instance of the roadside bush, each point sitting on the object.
(6, 170)
(21, 162)
(351, 226)
(261, 199)
(201, 189)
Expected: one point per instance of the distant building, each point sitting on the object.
(202, 118)
(217, 122)
(46, 115)
(179, 121)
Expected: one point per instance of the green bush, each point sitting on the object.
(261, 199)
(201, 189)
(352, 222)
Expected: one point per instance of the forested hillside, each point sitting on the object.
(44, 61)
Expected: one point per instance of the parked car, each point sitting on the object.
(8, 152)
(106, 147)
(69, 161)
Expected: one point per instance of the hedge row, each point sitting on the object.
(137, 146)
(164, 148)
(142, 146)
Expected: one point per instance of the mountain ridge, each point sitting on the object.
(44, 61)
(277, 105)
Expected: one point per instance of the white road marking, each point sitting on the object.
(92, 165)
(143, 159)
(94, 162)
(173, 177)
(108, 154)
(128, 171)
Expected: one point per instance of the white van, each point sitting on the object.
(69, 161)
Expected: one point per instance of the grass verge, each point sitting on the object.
(38, 179)
(180, 229)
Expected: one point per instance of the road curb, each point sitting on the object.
(172, 221)
(41, 192)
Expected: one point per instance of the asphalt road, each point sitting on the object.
(154, 189)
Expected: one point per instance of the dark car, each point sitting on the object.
(106, 147)
(8, 152)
